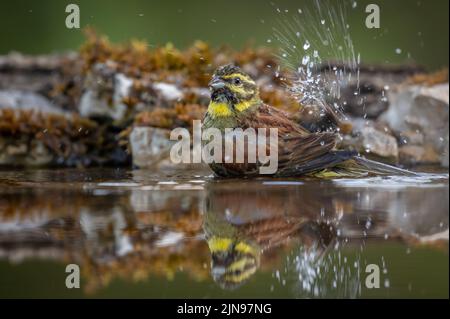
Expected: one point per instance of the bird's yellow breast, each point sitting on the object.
(220, 109)
(219, 244)
(244, 105)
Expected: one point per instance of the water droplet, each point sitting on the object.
(305, 60)
(398, 51)
(306, 45)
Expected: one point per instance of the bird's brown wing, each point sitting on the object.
(300, 155)
(299, 152)
(270, 117)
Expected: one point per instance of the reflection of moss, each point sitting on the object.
(141, 264)
(190, 222)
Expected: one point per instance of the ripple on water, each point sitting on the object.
(423, 180)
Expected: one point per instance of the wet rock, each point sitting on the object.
(33, 73)
(368, 102)
(414, 155)
(425, 111)
(26, 100)
(445, 154)
(25, 153)
(411, 137)
(105, 91)
(118, 97)
(55, 76)
(317, 118)
(149, 146)
(34, 132)
(30, 137)
(365, 94)
(373, 143)
(170, 92)
(201, 95)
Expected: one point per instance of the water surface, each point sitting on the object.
(137, 233)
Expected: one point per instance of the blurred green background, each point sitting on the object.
(419, 28)
(421, 273)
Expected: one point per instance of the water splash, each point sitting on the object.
(316, 46)
(423, 180)
(315, 275)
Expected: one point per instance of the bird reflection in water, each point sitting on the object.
(243, 226)
(301, 231)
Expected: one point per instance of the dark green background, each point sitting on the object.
(423, 273)
(39, 26)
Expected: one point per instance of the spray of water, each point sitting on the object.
(331, 275)
(316, 46)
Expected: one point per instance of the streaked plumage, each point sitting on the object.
(235, 103)
(236, 250)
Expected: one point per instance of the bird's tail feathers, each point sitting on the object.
(361, 164)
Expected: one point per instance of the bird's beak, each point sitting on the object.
(216, 83)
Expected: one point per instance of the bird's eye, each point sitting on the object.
(237, 81)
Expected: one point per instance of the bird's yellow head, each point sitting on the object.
(233, 261)
(232, 92)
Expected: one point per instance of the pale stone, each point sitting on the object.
(372, 143)
(423, 109)
(414, 154)
(168, 91)
(24, 100)
(149, 145)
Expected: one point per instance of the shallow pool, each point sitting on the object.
(137, 233)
